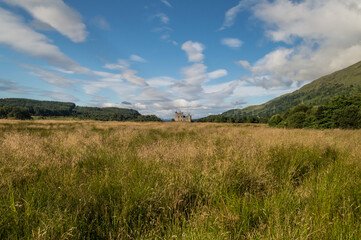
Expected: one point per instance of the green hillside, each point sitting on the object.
(40, 108)
(345, 82)
(21, 108)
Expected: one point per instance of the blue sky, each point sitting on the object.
(160, 56)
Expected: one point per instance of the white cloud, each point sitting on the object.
(136, 106)
(163, 81)
(244, 64)
(25, 40)
(100, 22)
(136, 58)
(179, 104)
(41, 26)
(232, 42)
(120, 65)
(194, 51)
(130, 76)
(109, 77)
(217, 74)
(127, 73)
(196, 75)
(218, 93)
(162, 17)
(151, 94)
(60, 96)
(51, 77)
(56, 14)
(166, 3)
(322, 36)
(232, 13)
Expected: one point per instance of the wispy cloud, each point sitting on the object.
(25, 40)
(100, 22)
(127, 73)
(57, 14)
(136, 58)
(166, 3)
(51, 77)
(232, 42)
(163, 18)
(10, 86)
(231, 15)
(59, 96)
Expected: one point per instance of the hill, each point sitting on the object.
(345, 82)
(25, 108)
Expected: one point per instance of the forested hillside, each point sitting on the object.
(342, 112)
(20, 108)
(345, 82)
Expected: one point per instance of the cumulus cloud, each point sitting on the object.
(194, 51)
(232, 42)
(322, 36)
(196, 75)
(57, 14)
(25, 40)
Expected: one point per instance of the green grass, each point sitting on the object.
(91, 180)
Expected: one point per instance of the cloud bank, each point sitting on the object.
(320, 37)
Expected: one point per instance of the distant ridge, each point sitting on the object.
(343, 82)
(69, 109)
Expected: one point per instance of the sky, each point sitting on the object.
(160, 56)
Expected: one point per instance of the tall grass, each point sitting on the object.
(95, 180)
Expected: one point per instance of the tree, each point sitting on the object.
(20, 113)
(349, 117)
(275, 120)
(296, 120)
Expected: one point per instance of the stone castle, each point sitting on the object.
(179, 117)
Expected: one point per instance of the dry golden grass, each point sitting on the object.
(177, 180)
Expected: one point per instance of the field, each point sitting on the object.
(111, 180)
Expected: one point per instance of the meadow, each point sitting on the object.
(114, 180)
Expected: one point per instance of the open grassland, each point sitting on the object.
(108, 180)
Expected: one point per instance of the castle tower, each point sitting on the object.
(179, 117)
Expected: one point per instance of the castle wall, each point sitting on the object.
(179, 117)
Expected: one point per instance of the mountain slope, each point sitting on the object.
(344, 82)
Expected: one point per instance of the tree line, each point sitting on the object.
(20, 108)
(229, 119)
(341, 112)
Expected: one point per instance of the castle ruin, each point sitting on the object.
(179, 117)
